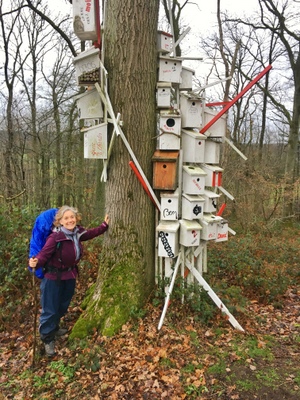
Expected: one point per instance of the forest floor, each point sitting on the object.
(184, 360)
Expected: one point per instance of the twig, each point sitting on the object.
(13, 197)
(34, 318)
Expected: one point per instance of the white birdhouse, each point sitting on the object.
(189, 233)
(193, 146)
(163, 94)
(192, 206)
(169, 122)
(218, 129)
(169, 206)
(191, 111)
(168, 238)
(169, 69)
(213, 176)
(209, 226)
(169, 131)
(87, 67)
(210, 201)
(86, 20)
(212, 151)
(193, 180)
(222, 231)
(95, 142)
(186, 78)
(89, 105)
(164, 41)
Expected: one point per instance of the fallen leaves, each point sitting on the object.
(143, 363)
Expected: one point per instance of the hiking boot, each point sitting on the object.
(49, 349)
(61, 332)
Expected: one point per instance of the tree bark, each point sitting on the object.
(126, 271)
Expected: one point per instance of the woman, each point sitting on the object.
(60, 256)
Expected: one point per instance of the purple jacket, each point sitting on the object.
(64, 254)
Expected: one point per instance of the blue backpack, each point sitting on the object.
(41, 230)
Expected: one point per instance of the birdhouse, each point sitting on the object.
(222, 231)
(168, 141)
(213, 176)
(209, 226)
(193, 180)
(170, 122)
(163, 94)
(212, 151)
(165, 169)
(186, 78)
(168, 238)
(169, 69)
(193, 146)
(164, 42)
(95, 142)
(210, 201)
(169, 131)
(87, 67)
(189, 233)
(218, 128)
(169, 206)
(89, 105)
(192, 206)
(191, 111)
(85, 19)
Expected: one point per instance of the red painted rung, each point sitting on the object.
(235, 99)
(140, 178)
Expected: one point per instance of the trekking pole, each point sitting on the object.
(34, 318)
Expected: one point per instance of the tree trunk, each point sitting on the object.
(126, 271)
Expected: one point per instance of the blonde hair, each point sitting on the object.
(62, 210)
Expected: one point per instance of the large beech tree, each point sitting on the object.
(126, 268)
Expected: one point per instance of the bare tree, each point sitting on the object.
(13, 63)
(282, 21)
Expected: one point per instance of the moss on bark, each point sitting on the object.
(110, 304)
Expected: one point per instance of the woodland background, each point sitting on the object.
(197, 355)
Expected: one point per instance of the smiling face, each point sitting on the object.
(68, 220)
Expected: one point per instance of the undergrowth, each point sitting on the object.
(247, 267)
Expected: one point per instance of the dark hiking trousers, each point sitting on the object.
(55, 300)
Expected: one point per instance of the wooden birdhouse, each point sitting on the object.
(213, 176)
(191, 111)
(212, 151)
(168, 238)
(192, 206)
(189, 233)
(89, 105)
(218, 128)
(193, 146)
(210, 201)
(193, 180)
(163, 94)
(86, 19)
(87, 67)
(169, 69)
(95, 142)
(186, 78)
(169, 206)
(165, 169)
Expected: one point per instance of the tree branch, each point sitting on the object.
(54, 26)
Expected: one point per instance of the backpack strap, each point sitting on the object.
(59, 271)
